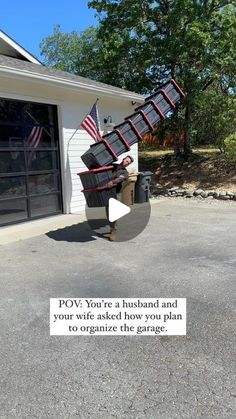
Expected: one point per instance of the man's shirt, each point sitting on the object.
(119, 171)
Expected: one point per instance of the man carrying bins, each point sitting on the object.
(120, 174)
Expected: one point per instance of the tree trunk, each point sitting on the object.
(187, 143)
(177, 150)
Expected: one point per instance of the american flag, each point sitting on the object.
(33, 133)
(91, 124)
(33, 136)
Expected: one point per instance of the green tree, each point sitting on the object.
(230, 147)
(75, 52)
(192, 41)
(214, 117)
(86, 54)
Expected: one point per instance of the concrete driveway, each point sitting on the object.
(187, 250)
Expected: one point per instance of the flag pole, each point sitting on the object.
(36, 122)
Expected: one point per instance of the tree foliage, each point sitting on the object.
(189, 39)
(214, 117)
(192, 41)
(75, 52)
(230, 147)
(142, 43)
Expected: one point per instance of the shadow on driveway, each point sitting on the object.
(82, 232)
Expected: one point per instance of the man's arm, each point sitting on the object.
(115, 181)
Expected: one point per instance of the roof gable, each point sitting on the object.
(11, 48)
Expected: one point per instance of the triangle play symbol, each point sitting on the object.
(117, 210)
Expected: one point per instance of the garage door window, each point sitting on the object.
(30, 183)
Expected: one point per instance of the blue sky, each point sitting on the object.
(29, 21)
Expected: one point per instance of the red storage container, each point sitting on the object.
(99, 197)
(96, 177)
(155, 108)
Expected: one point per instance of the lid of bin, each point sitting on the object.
(145, 173)
(99, 188)
(160, 86)
(95, 145)
(121, 124)
(99, 169)
(174, 83)
(133, 177)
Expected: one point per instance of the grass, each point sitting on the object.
(163, 152)
(207, 168)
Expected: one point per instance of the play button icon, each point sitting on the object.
(129, 221)
(117, 210)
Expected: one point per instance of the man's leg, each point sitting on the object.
(112, 225)
(107, 212)
(112, 236)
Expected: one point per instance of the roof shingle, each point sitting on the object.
(42, 70)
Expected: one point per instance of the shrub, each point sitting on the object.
(230, 147)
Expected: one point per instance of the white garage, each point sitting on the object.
(40, 109)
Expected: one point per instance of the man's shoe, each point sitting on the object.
(112, 236)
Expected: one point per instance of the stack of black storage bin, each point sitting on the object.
(155, 108)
